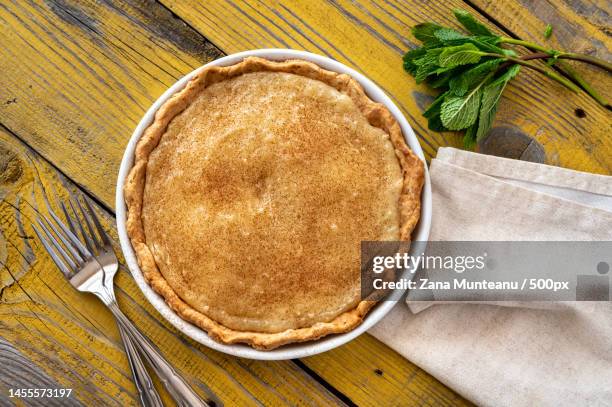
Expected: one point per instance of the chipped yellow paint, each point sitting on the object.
(371, 37)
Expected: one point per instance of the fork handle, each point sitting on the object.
(173, 382)
(146, 391)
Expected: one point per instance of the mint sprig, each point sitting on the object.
(472, 69)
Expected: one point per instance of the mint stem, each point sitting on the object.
(586, 58)
(584, 84)
(560, 54)
(565, 68)
(568, 84)
(525, 44)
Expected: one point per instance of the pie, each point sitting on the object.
(251, 192)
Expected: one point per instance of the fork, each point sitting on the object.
(90, 265)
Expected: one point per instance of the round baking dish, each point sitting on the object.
(290, 351)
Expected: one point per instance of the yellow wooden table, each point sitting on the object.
(75, 78)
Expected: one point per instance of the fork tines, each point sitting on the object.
(62, 242)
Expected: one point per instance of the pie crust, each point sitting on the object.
(165, 258)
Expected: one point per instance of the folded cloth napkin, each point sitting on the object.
(510, 356)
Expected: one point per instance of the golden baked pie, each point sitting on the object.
(251, 192)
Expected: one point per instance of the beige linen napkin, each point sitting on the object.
(510, 356)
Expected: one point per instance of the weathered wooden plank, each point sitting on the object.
(77, 77)
(581, 26)
(375, 375)
(18, 372)
(73, 339)
(372, 35)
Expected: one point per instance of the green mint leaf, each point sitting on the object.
(464, 54)
(548, 31)
(427, 64)
(488, 44)
(423, 72)
(434, 108)
(490, 101)
(443, 70)
(448, 34)
(460, 112)
(506, 76)
(488, 109)
(485, 44)
(430, 58)
(469, 138)
(434, 122)
(426, 71)
(460, 84)
(425, 31)
(410, 57)
(441, 80)
(487, 39)
(471, 24)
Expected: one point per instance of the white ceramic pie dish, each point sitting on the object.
(291, 351)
